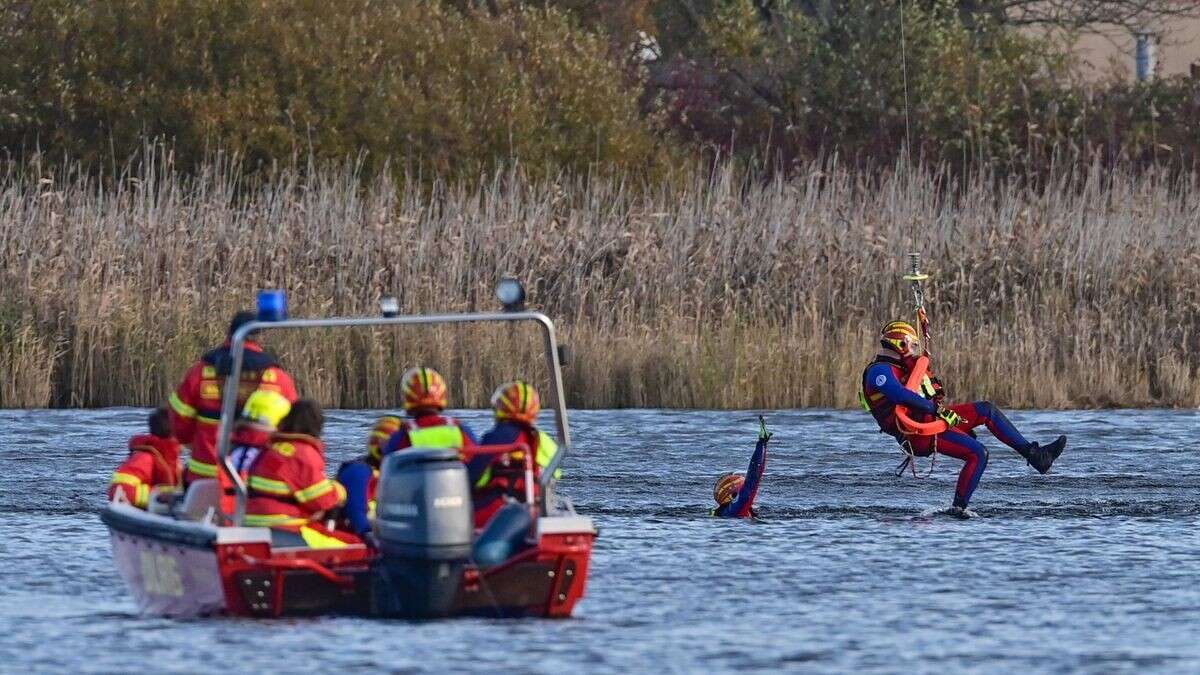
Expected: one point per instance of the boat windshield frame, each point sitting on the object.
(237, 351)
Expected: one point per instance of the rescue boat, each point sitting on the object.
(194, 557)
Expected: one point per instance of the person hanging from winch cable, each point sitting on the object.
(883, 389)
(735, 493)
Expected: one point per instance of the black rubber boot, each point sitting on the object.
(1042, 458)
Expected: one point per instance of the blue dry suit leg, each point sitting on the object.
(974, 456)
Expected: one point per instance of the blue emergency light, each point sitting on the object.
(272, 305)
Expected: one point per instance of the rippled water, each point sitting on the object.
(1093, 567)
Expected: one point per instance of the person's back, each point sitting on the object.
(196, 402)
(734, 493)
(153, 462)
(516, 406)
(425, 397)
(287, 487)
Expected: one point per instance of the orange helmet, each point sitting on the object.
(384, 428)
(517, 401)
(727, 488)
(901, 337)
(423, 388)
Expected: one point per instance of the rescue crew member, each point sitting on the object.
(196, 403)
(153, 462)
(883, 389)
(287, 487)
(360, 477)
(425, 397)
(260, 418)
(516, 406)
(735, 493)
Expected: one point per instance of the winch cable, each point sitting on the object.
(914, 277)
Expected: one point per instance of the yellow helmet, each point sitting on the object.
(266, 408)
(901, 337)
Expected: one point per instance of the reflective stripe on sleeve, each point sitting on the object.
(315, 491)
(182, 409)
(202, 468)
(121, 478)
(269, 486)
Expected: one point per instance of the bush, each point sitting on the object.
(445, 91)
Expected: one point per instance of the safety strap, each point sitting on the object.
(910, 460)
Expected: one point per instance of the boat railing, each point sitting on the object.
(237, 348)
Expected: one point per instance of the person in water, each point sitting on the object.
(196, 403)
(516, 406)
(287, 487)
(360, 477)
(153, 462)
(425, 397)
(883, 389)
(735, 493)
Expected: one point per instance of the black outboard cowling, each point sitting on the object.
(424, 524)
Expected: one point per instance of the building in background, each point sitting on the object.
(1177, 48)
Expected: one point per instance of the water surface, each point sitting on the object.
(1093, 567)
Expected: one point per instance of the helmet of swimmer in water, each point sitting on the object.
(727, 488)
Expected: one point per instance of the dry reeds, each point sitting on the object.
(706, 291)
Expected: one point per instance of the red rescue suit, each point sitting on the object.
(153, 462)
(196, 403)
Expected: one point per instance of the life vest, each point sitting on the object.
(544, 450)
(448, 435)
(873, 401)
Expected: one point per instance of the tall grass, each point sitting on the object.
(710, 290)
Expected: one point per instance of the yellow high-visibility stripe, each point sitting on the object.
(274, 487)
(271, 520)
(141, 497)
(204, 419)
(181, 408)
(547, 448)
(202, 468)
(317, 539)
(121, 478)
(315, 491)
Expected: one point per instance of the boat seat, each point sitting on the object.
(203, 497)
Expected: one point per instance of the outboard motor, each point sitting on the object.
(424, 524)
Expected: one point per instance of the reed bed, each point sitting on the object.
(709, 290)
